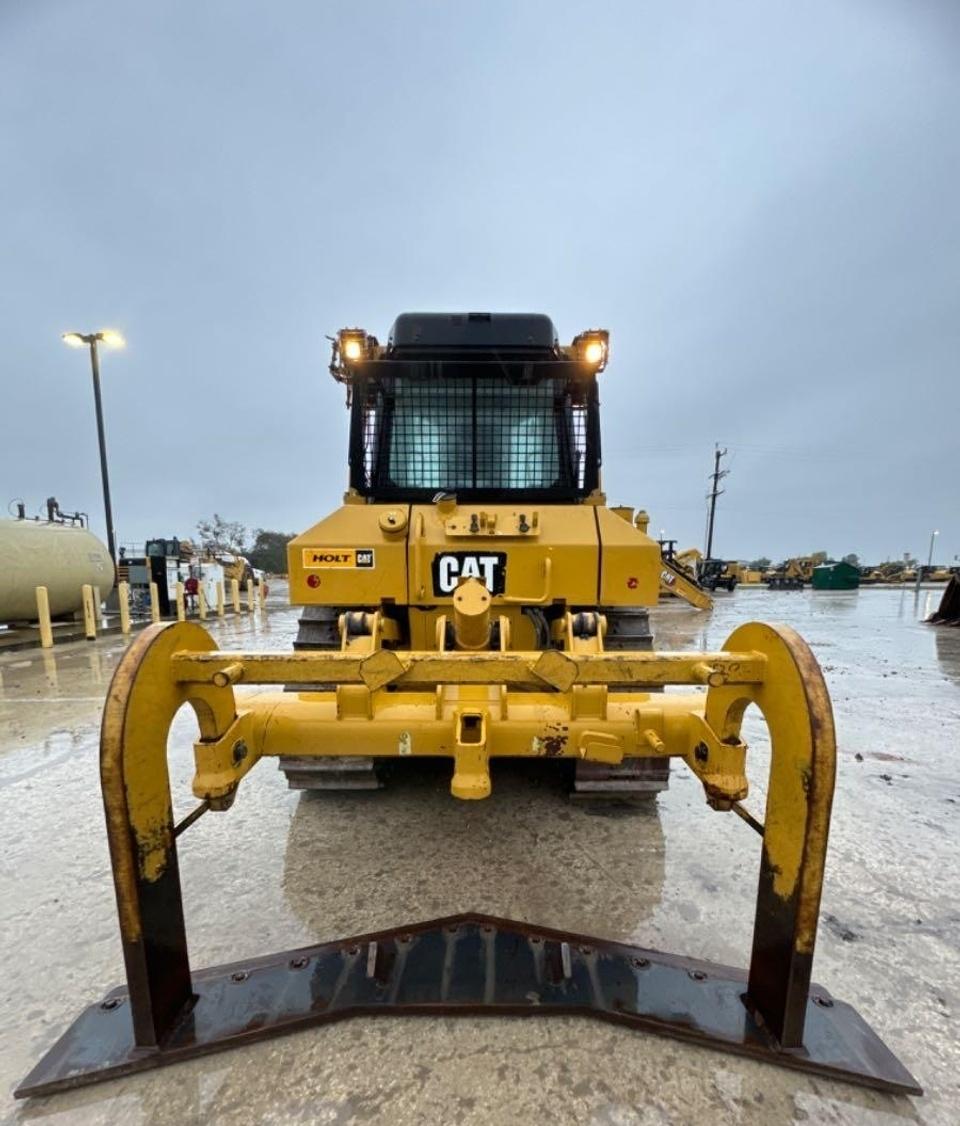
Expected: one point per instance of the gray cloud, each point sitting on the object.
(758, 199)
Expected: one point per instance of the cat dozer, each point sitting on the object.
(474, 598)
(474, 453)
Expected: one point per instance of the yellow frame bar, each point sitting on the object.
(548, 669)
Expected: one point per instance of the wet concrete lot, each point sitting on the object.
(280, 870)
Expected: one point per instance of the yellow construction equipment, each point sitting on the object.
(675, 581)
(689, 560)
(948, 612)
(734, 573)
(678, 574)
(794, 573)
(705, 574)
(750, 577)
(722, 574)
(474, 598)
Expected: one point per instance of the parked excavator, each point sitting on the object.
(473, 598)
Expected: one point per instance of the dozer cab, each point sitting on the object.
(474, 598)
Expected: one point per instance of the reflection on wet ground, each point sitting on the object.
(948, 651)
(282, 870)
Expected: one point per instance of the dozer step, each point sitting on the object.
(332, 773)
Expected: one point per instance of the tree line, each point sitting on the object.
(266, 550)
(764, 564)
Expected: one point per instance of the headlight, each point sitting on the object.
(593, 348)
(353, 345)
(594, 352)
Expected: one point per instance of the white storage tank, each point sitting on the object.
(60, 557)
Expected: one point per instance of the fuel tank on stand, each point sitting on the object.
(61, 557)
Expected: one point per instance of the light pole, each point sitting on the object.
(93, 339)
(933, 536)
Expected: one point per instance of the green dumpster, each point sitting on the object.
(835, 576)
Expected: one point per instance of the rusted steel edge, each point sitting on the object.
(112, 782)
(785, 928)
(822, 783)
(844, 1048)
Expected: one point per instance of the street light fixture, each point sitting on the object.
(93, 340)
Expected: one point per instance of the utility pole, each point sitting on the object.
(717, 477)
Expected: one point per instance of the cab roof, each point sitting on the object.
(419, 333)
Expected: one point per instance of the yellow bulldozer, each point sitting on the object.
(793, 573)
(474, 522)
(474, 598)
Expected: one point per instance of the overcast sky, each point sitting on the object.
(760, 200)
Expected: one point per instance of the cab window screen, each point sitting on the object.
(472, 434)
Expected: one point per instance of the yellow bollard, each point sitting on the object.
(98, 607)
(89, 617)
(249, 596)
(181, 605)
(262, 595)
(123, 598)
(202, 602)
(235, 595)
(154, 603)
(43, 618)
(220, 598)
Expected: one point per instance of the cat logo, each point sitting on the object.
(351, 557)
(452, 566)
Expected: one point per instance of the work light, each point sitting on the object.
(592, 348)
(353, 345)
